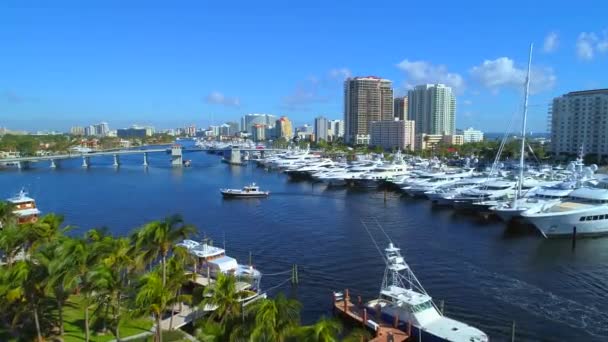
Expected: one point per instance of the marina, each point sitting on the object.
(493, 274)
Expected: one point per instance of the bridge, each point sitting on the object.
(176, 152)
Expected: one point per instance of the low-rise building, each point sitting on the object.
(472, 135)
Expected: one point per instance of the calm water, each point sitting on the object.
(487, 275)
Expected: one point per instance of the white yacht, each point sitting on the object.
(24, 208)
(403, 298)
(445, 195)
(306, 170)
(381, 173)
(248, 191)
(586, 208)
(492, 190)
(435, 182)
(350, 173)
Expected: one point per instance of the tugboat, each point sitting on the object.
(403, 299)
(249, 191)
(24, 208)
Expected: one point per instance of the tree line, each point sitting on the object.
(116, 279)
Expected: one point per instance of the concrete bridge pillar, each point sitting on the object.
(145, 158)
(85, 161)
(176, 156)
(18, 164)
(53, 165)
(116, 160)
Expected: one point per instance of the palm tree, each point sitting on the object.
(177, 277)
(325, 330)
(77, 259)
(112, 276)
(275, 319)
(24, 285)
(6, 214)
(224, 297)
(157, 238)
(11, 241)
(152, 297)
(49, 258)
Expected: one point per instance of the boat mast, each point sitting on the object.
(523, 126)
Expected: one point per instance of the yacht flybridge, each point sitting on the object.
(403, 298)
(25, 208)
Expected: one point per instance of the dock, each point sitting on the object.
(358, 314)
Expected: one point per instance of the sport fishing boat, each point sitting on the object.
(402, 298)
(24, 208)
(248, 191)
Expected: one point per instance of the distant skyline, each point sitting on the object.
(70, 64)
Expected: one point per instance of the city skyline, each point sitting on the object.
(168, 76)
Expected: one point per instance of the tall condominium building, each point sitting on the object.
(89, 130)
(190, 130)
(321, 129)
(283, 128)
(433, 107)
(77, 130)
(398, 134)
(579, 120)
(249, 120)
(336, 129)
(258, 132)
(472, 135)
(366, 99)
(234, 127)
(102, 129)
(400, 108)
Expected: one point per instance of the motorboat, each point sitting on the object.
(248, 191)
(402, 299)
(24, 208)
(437, 181)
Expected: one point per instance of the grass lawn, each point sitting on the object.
(168, 336)
(74, 324)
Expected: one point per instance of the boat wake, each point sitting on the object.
(540, 302)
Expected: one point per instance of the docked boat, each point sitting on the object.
(402, 298)
(248, 191)
(585, 208)
(24, 208)
(212, 261)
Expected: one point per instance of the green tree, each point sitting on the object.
(78, 258)
(224, 298)
(6, 214)
(11, 241)
(152, 297)
(24, 285)
(325, 330)
(275, 319)
(156, 239)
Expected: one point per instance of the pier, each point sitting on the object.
(358, 314)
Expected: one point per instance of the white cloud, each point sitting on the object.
(588, 43)
(551, 42)
(315, 89)
(215, 97)
(422, 72)
(502, 72)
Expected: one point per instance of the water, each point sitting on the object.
(487, 275)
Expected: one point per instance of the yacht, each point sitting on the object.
(586, 208)
(248, 191)
(212, 260)
(381, 173)
(306, 170)
(437, 181)
(445, 195)
(403, 299)
(24, 208)
(349, 174)
(492, 190)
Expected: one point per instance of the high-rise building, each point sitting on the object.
(398, 134)
(190, 130)
(101, 129)
(366, 99)
(336, 129)
(433, 108)
(321, 129)
(472, 135)
(225, 130)
(89, 130)
(77, 130)
(283, 128)
(579, 121)
(233, 128)
(249, 120)
(258, 132)
(400, 108)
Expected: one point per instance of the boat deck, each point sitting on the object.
(383, 332)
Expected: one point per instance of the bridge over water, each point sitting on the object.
(175, 151)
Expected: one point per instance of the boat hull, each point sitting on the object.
(235, 195)
(562, 225)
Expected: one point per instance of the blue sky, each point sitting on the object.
(181, 62)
